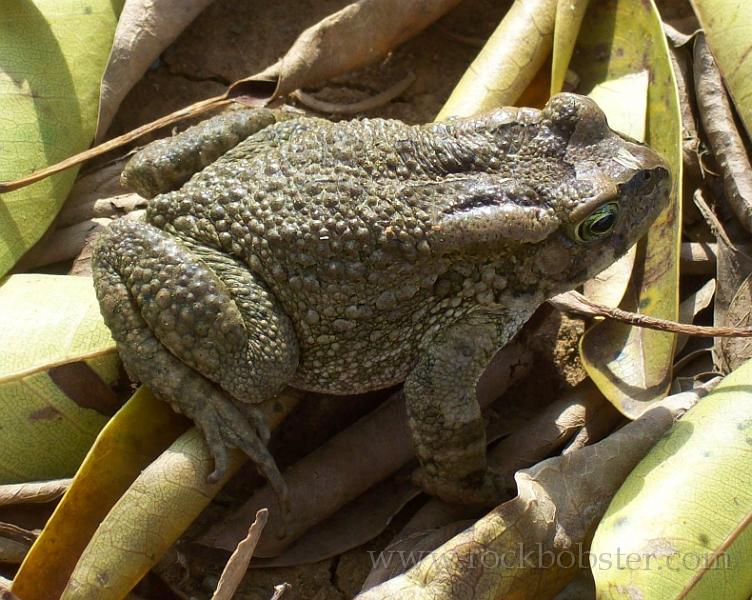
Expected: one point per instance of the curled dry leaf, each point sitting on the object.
(684, 515)
(328, 478)
(718, 123)
(681, 59)
(559, 504)
(14, 543)
(37, 492)
(508, 62)
(698, 258)
(352, 525)
(359, 34)
(569, 15)
(734, 265)
(237, 565)
(145, 29)
(692, 305)
(736, 351)
(551, 429)
(356, 107)
(58, 366)
(728, 25)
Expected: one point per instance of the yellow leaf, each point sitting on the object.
(154, 511)
(624, 100)
(684, 516)
(129, 442)
(569, 14)
(508, 62)
(53, 56)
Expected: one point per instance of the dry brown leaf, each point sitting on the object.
(530, 547)
(144, 30)
(681, 59)
(352, 525)
(359, 34)
(237, 565)
(581, 587)
(561, 422)
(736, 351)
(552, 428)
(723, 136)
(63, 244)
(328, 478)
(691, 306)
(407, 551)
(99, 193)
(698, 258)
(37, 492)
(734, 264)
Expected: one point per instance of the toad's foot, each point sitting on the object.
(487, 490)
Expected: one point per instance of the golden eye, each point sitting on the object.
(598, 224)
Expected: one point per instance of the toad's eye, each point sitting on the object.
(598, 224)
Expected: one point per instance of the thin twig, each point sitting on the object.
(189, 111)
(577, 303)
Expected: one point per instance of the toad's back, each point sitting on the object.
(340, 222)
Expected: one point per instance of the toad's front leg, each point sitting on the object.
(201, 331)
(444, 415)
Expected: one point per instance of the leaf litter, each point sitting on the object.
(419, 103)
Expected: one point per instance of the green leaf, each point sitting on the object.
(58, 360)
(632, 365)
(53, 54)
(684, 516)
(728, 29)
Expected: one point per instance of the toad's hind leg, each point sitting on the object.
(200, 331)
